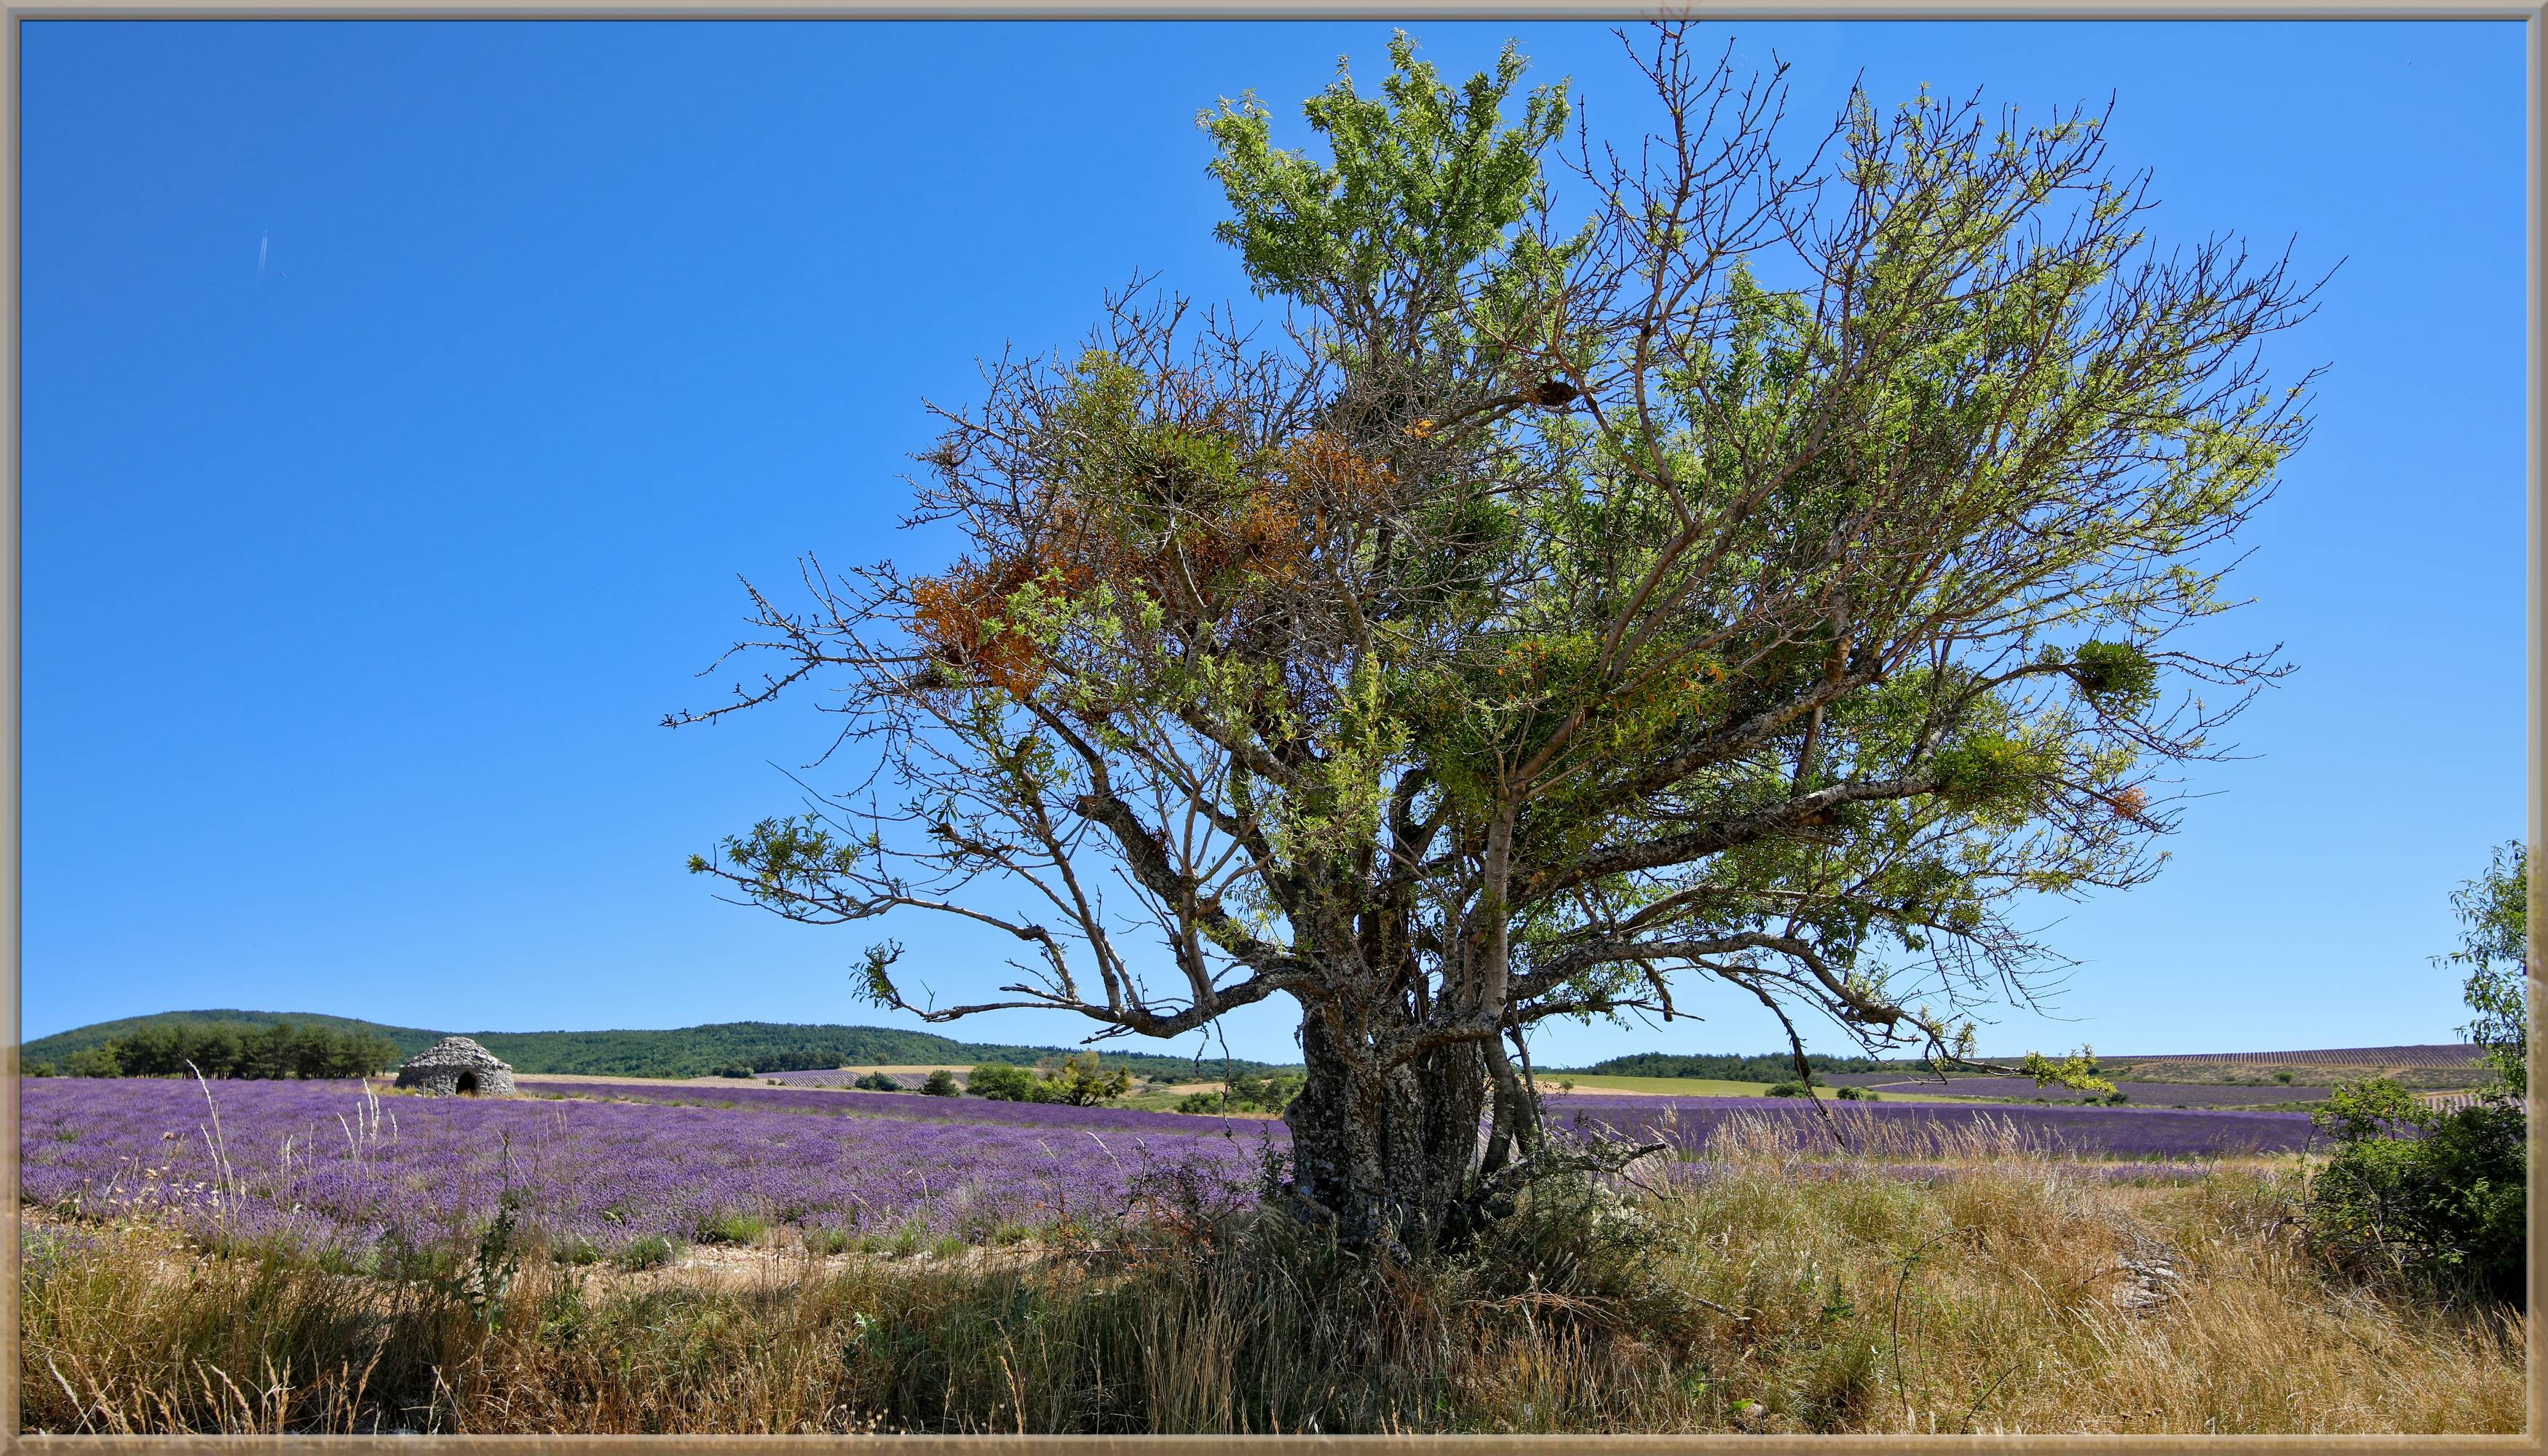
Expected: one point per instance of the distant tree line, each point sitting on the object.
(754, 1049)
(1766, 1067)
(234, 1050)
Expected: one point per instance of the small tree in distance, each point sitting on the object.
(1757, 576)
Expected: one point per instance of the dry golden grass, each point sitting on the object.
(1781, 1295)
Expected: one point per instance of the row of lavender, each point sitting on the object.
(326, 1165)
(1699, 1126)
(899, 1106)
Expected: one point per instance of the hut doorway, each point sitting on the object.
(467, 1085)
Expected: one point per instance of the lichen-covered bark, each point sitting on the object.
(1391, 1154)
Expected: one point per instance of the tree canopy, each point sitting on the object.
(1710, 559)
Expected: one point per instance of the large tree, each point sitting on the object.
(1766, 583)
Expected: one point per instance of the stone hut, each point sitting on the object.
(457, 1065)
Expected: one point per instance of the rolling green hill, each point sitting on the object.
(687, 1051)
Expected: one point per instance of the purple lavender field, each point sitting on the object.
(1935, 1130)
(321, 1166)
(324, 1166)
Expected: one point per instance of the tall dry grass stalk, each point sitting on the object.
(1781, 1294)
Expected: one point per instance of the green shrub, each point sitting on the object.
(651, 1251)
(877, 1082)
(1001, 1082)
(941, 1083)
(2437, 1196)
(1246, 1092)
(1083, 1080)
(1785, 1089)
(1853, 1094)
(733, 1227)
(734, 1070)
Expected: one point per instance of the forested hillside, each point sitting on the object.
(686, 1052)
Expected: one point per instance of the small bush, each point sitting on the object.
(733, 1069)
(1854, 1094)
(877, 1082)
(651, 1251)
(733, 1227)
(1785, 1089)
(941, 1083)
(2438, 1196)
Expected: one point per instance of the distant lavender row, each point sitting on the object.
(1687, 1121)
(2143, 1133)
(900, 1106)
(310, 1164)
(834, 1077)
(1912, 1172)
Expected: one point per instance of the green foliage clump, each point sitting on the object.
(734, 1227)
(1080, 1079)
(1001, 1082)
(1083, 1080)
(2441, 1195)
(941, 1083)
(2115, 675)
(734, 1070)
(1246, 1092)
(650, 1251)
(2494, 938)
(1790, 1088)
(2436, 1196)
(877, 1082)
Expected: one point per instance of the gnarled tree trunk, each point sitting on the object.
(1392, 1153)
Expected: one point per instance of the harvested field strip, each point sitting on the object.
(2445, 1056)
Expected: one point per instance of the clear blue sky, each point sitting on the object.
(403, 400)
